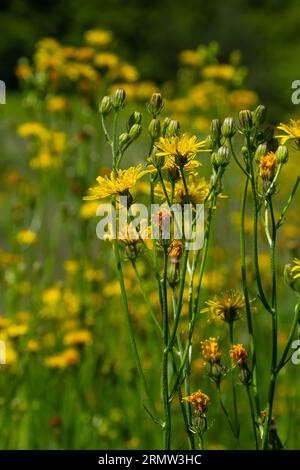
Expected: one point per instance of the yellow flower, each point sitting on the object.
(106, 59)
(69, 357)
(52, 295)
(32, 129)
(14, 331)
(98, 37)
(33, 346)
(71, 267)
(238, 354)
(88, 209)
(267, 166)
(226, 307)
(74, 338)
(198, 190)
(57, 104)
(26, 237)
(116, 184)
(179, 151)
(189, 57)
(210, 350)
(295, 270)
(219, 71)
(292, 131)
(199, 401)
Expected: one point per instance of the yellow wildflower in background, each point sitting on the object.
(225, 307)
(69, 357)
(179, 151)
(14, 331)
(116, 184)
(26, 237)
(238, 354)
(88, 209)
(200, 401)
(98, 37)
(57, 104)
(292, 131)
(78, 337)
(32, 129)
(211, 350)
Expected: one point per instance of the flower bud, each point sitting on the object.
(135, 118)
(135, 131)
(221, 158)
(228, 127)
(124, 139)
(173, 128)
(259, 115)
(155, 104)
(288, 275)
(154, 128)
(245, 375)
(282, 154)
(261, 151)
(165, 125)
(105, 106)
(245, 120)
(215, 130)
(244, 151)
(118, 99)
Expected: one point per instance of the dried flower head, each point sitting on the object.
(210, 350)
(238, 355)
(199, 401)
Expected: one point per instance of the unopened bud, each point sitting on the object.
(245, 120)
(135, 131)
(118, 99)
(135, 118)
(259, 115)
(215, 130)
(124, 139)
(154, 129)
(282, 154)
(228, 127)
(173, 128)
(155, 104)
(221, 158)
(105, 105)
(245, 375)
(261, 151)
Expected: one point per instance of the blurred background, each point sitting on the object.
(152, 34)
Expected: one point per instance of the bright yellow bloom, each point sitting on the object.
(198, 189)
(295, 270)
(106, 59)
(74, 338)
(190, 57)
(88, 209)
(98, 37)
(116, 184)
(226, 307)
(71, 266)
(292, 131)
(32, 129)
(238, 354)
(199, 401)
(211, 350)
(267, 166)
(179, 151)
(52, 295)
(26, 237)
(33, 346)
(219, 71)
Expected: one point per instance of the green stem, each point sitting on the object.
(237, 425)
(253, 415)
(165, 362)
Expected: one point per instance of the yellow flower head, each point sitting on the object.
(15, 331)
(26, 237)
(69, 357)
(292, 131)
(74, 338)
(199, 401)
(226, 307)
(116, 184)
(57, 104)
(198, 189)
(179, 151)
(267, 166)
(238, 355)
(295, 270)
(98, 37)
(210, 350)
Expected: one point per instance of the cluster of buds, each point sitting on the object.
(239, 358)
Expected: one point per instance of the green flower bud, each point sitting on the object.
(288, 275)
(135, 131)
(118, 99)
(282, 154)
(215, 130)
(261, 151)
(105, 105)
(165, 126)
(228, 127)
(245, 120)
(124, 139)
(154, 128)
(221, 158)
(245, 375)
(135, 118)
(155, 104)
(173, 128)
(259, 115)
(244, 151)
